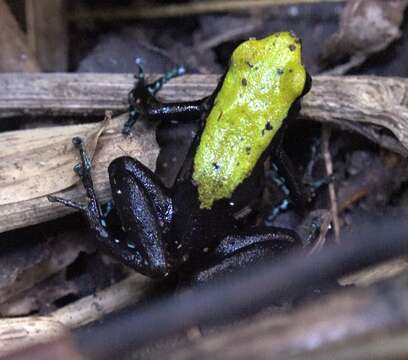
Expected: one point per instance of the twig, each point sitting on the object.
(326, 132)
(189, 9)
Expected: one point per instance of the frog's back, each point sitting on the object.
(264, 79)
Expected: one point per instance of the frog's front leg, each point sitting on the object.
(142, 101)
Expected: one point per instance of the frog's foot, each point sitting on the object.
(141, 91)
(92, 210)
(310, 184)
(155, 86)
(138, 91)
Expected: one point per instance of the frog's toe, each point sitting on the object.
(66, 202)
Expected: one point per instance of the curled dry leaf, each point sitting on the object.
(37, 162)
(366, 27)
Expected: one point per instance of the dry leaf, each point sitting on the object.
(111, 144)
(366, 27)
(38, 162)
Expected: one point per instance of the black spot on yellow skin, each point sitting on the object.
(248, 150)
(280, 71)
(244, 82)
(268, 127)
(219, 116)
(292, 47)
(216, 166)
(249, 64)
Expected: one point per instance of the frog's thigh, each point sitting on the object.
(140, 199)
(238, 251)
(277, 240)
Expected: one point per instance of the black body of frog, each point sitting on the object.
(182, 230)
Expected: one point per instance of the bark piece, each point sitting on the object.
(21, 270)
(47, 33)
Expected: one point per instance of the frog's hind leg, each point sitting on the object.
(298, 191)
(93, 213)
(145, 211)
(285, 175)
(238, 250)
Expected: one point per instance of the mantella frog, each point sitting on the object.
(192, 228)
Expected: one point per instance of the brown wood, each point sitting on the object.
(47, 33)
(353, 102)
(15, 54)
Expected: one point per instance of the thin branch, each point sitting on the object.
(326, 132)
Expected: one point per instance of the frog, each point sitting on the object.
(194, 229)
